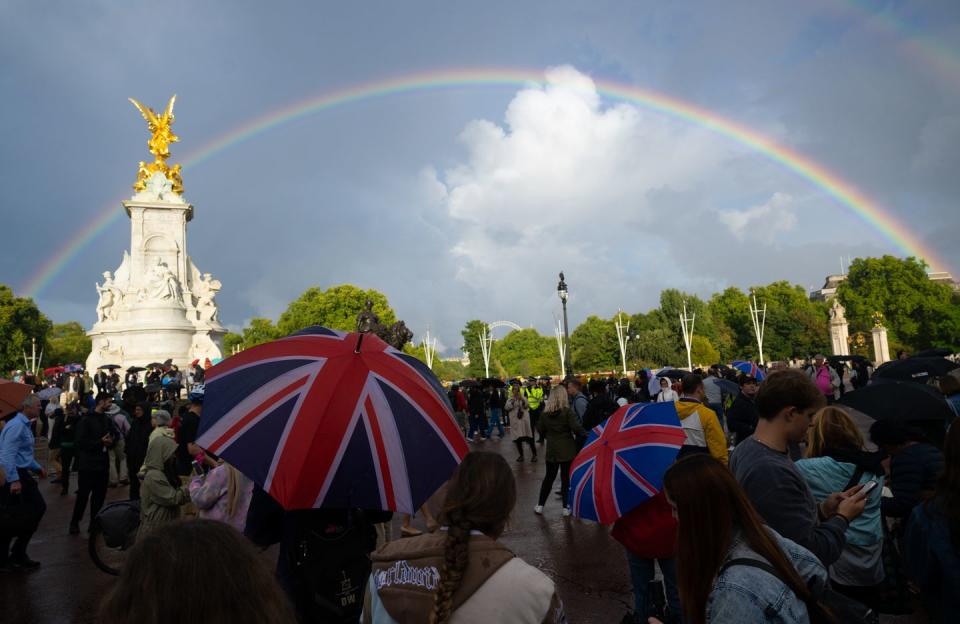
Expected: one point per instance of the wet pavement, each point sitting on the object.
(587, 564)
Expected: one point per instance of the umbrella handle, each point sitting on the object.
(359, 342)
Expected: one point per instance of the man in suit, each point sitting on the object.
(72, 388)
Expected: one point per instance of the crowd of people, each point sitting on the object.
(776, 509)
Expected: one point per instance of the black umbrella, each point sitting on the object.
(135, 369)
(728, 387)
(151, 388)
(154, 365)
(469, 383)
(493, 382)
(936, 352)
(673, 373)
(902, 401)
(546, 378)
(168, 362)
(915, 369)
(110, 366)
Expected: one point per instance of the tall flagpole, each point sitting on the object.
(686, 325)
(622, 337)
(759, 318)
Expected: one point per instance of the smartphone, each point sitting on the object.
(868, 486)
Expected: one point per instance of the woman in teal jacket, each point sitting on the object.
(835, 462)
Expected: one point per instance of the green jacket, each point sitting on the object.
(558, 428)
(159, 501)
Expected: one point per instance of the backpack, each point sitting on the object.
(331, 563)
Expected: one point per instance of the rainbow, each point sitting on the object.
(829, 182)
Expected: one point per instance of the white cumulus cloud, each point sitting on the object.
(761, 222)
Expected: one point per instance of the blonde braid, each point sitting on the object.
(456, 555)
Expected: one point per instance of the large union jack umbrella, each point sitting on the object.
(318, 424)
(749, 368)
(624, 460)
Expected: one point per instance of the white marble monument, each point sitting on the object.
(157, 305)
(881, 349)
(839, 331)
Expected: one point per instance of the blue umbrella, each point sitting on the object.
(624, 460)
(749, 368)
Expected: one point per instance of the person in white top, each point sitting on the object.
(666, 392)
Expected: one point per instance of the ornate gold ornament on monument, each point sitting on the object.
(161, 136)
(877, 319)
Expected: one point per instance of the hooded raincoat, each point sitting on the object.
(159, 500)
(702, 428)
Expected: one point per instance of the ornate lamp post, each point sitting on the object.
(563, 294)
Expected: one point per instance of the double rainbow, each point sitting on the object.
(829, 182)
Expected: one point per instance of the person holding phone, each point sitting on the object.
(94, 439)
(835, 461)
(786, 404)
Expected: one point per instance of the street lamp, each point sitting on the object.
(563, 294)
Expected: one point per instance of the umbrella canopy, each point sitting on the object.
(154, 365)
(73, 368)
(52, 370)
(151, 388)
(749, 368)
(545, 378)
(935, 352)
(673, 373)
(915, 369)
(469, 383)
(728, 387)
(624, 460)
(324, 418)
(48, 393)
(493, 382)
(12, 395)
(135, 369)
(902, 401)
(110, 366)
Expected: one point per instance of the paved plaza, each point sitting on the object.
(588, 565)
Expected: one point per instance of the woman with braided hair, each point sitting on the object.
(462, 574)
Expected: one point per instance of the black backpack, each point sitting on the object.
(331, 564)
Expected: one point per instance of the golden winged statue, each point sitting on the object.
(161, 136)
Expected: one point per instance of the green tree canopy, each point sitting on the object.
(917, 312)
(525, 352)
(336, 308)
(471, 345)
(259, 331)
(593, 346)
(67, 343)
(795, 326)
(230, 341)
(702, 351)
(20, 321)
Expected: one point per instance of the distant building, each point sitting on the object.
(829, 289)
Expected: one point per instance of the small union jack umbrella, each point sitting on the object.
(749, 368)
(322, 418)
(624, 460)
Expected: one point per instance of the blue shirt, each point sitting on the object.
(16, 447)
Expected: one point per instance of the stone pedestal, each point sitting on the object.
(156, 305)
(839, 333)
(881, 350)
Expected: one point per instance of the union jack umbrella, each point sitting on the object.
(749, 368)
(322, 418)
(624, 460)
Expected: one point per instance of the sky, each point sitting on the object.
(465, 201)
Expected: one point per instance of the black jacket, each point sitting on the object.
(137, 439)
(91, 453)
(598, 410)
(186, 433)
(742, 417)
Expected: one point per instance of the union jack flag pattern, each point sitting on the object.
(749, 368)
(318, 424)
(624, 460)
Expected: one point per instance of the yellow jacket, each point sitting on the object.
(702, 427)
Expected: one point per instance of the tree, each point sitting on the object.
(731, 312)
(795, 326)
(593, 346)
(20, 321)
(259, 331)
(230, 341)
(336, 308)
(525, 352)
(655, 348)
(471, 346)
(918, 313)
(67, 343)
(702, 351)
